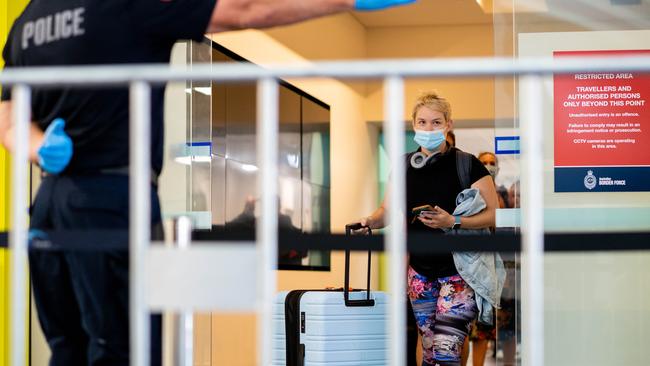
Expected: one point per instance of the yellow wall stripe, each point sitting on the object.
(9, 11)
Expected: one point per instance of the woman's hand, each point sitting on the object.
(365, 227)
(437, 219)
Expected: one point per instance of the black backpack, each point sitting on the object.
(464, 168)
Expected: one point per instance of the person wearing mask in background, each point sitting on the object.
(79, 138)
(513, 195)
(443, 302)
(491, 163)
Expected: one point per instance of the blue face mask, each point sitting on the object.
(430, 140)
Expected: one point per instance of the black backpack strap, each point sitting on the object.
(464, 168)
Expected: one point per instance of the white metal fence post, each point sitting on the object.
(139, 219)
(532, 229)
(396, 236)
(267, 225)
(21, 110)
(185, 319)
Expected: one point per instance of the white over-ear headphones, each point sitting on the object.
(420, 159)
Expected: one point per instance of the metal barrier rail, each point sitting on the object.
(503, 242)
(140, 79)
(85, 76)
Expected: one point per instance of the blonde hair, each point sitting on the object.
(432, 100)
(488, 153)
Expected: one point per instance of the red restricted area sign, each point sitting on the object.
(601, 119)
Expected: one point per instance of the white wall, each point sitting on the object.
(470, 98)
(596, 309)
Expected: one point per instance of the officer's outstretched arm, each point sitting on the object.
(240, 14)
(7, 132)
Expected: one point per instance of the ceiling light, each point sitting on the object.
(249, 168)
(205, 90)
(188, 160)
(293, 160)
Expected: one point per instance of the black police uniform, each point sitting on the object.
(82, 297)
(436, 184)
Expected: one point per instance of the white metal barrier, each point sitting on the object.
(393, 72)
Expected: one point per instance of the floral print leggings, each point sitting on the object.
(444, 309)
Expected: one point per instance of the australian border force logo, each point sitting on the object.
(590, 180)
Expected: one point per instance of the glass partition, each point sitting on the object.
(199, 145)
(596, 172)
(211, 168)
(315, 158)
(552, 28)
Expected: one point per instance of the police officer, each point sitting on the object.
(79, 137)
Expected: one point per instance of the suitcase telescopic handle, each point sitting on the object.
(346, 288)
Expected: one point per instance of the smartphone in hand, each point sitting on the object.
(417, 211)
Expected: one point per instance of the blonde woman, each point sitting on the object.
(444, 304)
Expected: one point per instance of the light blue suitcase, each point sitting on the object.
(331, 327)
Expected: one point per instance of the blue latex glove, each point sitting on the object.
(56, 151)
(35, 235)
(379, 4)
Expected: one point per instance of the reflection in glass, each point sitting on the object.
(240, 122)
(315, 140)
(199, 146)
(214, 155)
(241, 180)
(289, 161)
(316, 173)
(218, 195)
(316, 213)
(219, 105)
